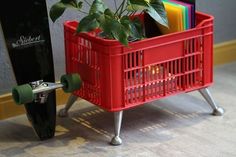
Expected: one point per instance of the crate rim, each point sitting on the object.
(115, 43)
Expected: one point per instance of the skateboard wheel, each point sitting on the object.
(22, 94)
(71, 82)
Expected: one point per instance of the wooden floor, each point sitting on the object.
(178, 126)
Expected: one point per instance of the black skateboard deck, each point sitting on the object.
(26, 30)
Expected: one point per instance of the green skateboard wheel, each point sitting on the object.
(22, 94)
(71, 82)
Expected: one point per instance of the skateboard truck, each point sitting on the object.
(41, 90)
(38, 91)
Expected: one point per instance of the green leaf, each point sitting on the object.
(115, 30)
(109, 13)
(119, 33)
(155, 8)
(88, 23)
(106, 26)
(143, 3)
(157, 11)
(70, 3)
(137, 5)
(125, 21)
(133, 27)
(57, 10)
(137, 29)
(98, 6)
(80, 5)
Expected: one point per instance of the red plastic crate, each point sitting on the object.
(117, 77)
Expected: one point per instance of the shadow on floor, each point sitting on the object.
(145, 120)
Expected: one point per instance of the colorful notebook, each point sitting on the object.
(176, 18)
(180, 14)
(184, 11)
(193, 11)
(188, 12)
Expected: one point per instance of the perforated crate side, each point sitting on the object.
(117, 77)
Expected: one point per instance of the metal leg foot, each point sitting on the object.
(116, 140)
(64, 112)
(217, 111)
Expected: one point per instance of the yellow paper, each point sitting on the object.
(175, 19)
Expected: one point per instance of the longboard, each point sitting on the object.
(26, 31)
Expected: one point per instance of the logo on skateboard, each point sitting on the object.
(27, 41)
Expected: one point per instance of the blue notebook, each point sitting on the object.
(193, 11)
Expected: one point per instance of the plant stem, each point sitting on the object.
(142, 12)
(122, 7)
(118, 8)
(83, 12)
(87, 2)
(123, 11)
(129, 13)
(132, 13)
(115, 4)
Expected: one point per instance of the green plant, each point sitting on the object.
(115, 24)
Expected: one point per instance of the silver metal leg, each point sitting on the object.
(64, 112)
(116, 140)
(217, 111)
